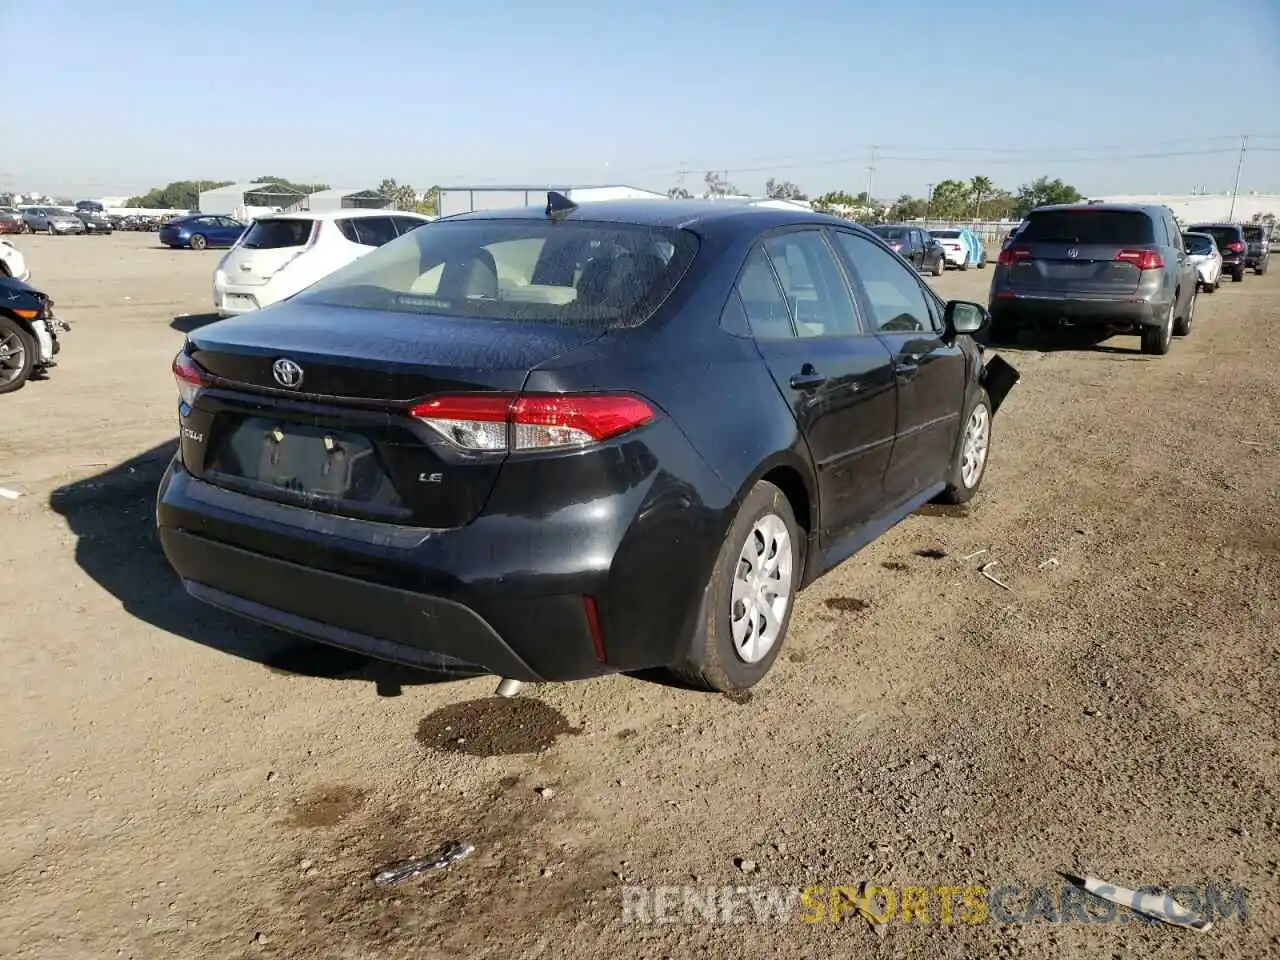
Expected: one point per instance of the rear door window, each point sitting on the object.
(373, 231)
(815, 289)
(1088, 226)
(405, 224)
(275, 233)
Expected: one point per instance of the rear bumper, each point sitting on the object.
(504, 594)
(1117, 313)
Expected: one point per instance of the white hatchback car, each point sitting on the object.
(12, 263)
(284, 253)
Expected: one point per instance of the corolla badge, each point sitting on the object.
(1073, 252)
(287, 373)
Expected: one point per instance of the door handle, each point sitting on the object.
(907, 364)
(807, 379)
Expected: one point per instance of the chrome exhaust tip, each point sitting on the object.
(509, 687)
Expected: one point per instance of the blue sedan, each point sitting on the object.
(200, 231)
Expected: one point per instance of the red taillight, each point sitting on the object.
(189, 377)
(1011, 255)
(592, 610)
(1235, 247)
(493, 422)
(1142, 259)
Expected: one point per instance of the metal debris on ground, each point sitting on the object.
(987, 566)
(450, 853)
(1045, 565)
(976, 553)
(1163, 908)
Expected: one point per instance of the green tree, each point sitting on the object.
(180, 194)
(979, 188)
(784, 190)
(401, 195)
(836, 200)
(302, 188)
(950, 200)
(679, 193)
(1044, 191)
(717, 185)
(907, 207)
(429, 205)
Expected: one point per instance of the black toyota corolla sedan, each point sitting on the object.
(557, 443)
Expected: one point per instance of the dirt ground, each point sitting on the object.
(177, 783)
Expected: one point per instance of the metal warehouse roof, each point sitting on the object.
(343, 193)
(268, 189)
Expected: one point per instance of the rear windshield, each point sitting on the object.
(1104, 227)
(1254, 234)
(1199, 245)
(1223, 235)
(945, 234)
(889, 233)
(574, 273)
(274, 234)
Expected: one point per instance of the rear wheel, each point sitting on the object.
(1237, 274)
(941, 266)
(964, 264)
(17, 355)
(1260, 268)
(198, 242)
(747, 604)
(52, 232)
(1182, 326)
(1156, 339)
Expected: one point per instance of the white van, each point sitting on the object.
(281, 254)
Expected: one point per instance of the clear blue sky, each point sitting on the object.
(116, 97)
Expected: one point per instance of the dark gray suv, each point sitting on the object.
(1114, 268)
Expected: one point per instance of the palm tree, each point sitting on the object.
(980, 187)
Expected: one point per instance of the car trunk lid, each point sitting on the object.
(341, 439)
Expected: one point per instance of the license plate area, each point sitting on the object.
(303, 464)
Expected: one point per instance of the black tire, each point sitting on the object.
(714, 662)
(52, 232)
(982, 261)
(10, 328)
(1209, 287)
(941, 268)
(1237, 274)
(198, 242)
(26, 227)
(1182, 325)
(1156, 340)
(964, 264)
(958, 491)
(1261, 268)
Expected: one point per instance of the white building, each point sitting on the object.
(1204, 208)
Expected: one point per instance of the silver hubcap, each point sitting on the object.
(12, 356)
(761, 588)
(973, 455)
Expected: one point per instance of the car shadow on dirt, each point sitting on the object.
(1053, 341)
(112, 515)
(186, 322)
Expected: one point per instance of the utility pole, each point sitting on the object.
(928, 204)
(1235, 191)
(871, 173)
(684, 172)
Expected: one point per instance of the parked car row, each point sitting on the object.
(496, 440)
(1115, 268)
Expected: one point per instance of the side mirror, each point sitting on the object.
(963, 316)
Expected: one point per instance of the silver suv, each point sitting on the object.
(1109, 267)
(51, 220)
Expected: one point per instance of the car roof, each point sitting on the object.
(343, 213)
(1196, 226)
(1149, 209)
(686, 214)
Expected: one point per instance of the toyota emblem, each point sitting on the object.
(1073, 252)
(287, 373)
